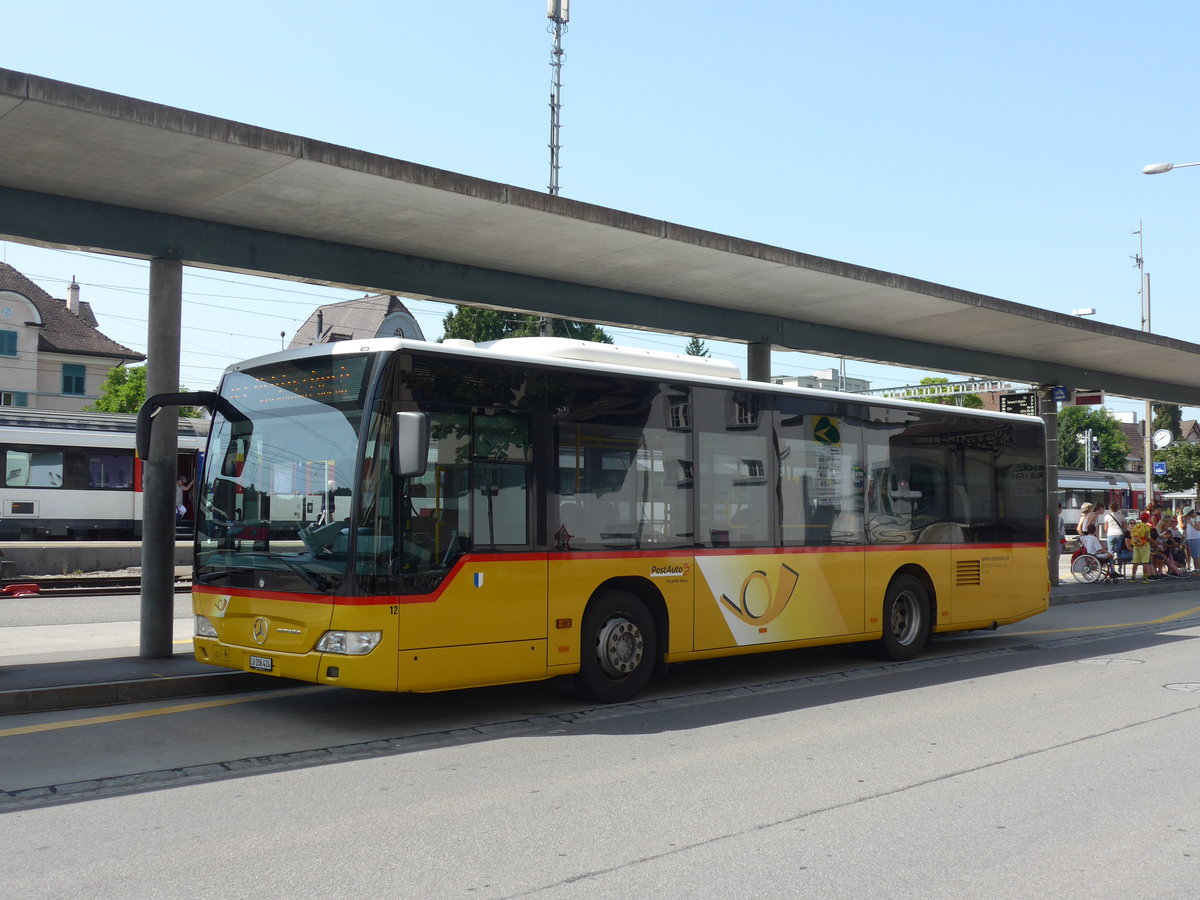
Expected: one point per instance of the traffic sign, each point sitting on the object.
(1160, 468)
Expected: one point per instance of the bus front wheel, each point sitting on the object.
(618, 650)
(906, 625)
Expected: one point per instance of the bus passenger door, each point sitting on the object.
(473, 600)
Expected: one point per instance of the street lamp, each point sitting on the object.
(1161, 168)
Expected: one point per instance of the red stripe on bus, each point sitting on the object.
(476, 559)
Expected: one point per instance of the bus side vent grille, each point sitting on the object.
(967, 572)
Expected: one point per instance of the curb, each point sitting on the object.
(1081, 593)
(73, 696)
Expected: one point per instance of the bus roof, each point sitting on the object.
(595, 357)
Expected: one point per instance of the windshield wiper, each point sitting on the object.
(206, 577)
(316, 579)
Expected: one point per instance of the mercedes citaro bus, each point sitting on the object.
(406, 516)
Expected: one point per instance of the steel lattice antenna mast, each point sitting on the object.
(558, 12)
(1144, 289)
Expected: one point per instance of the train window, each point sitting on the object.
(109, 469)
(33, 468)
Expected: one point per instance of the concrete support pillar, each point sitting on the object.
(758, 361)
(159, 471)
(1048, 410)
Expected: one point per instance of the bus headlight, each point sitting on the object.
(204, 628)
(349, 643)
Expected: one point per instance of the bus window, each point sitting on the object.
(435, 506)
(820, 475)
(735, 504)
(624, 467)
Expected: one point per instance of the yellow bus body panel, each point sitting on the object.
(574, 579)
(474, 665)
(759, 599)
(499, 619)
(284, 628)
(486, 599)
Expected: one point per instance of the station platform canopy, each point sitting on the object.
(86, 169)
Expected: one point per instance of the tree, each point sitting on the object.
(1074, 421)
(124, 391)
(1183, 467)
(480, 325)
(697, 347)
(970, 401)
(1168, 416)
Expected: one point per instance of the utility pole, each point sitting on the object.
(558, 12)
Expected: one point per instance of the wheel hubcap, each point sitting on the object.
(619, 647)
(905, 618)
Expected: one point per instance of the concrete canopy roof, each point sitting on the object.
(83, 168)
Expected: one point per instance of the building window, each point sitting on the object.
(14, 398)
(73, 379)
(8, 343)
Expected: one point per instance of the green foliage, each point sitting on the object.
(697, 347)
(969, 401)
(1183, 467)
(475, 324)
(1075, 420)
(124, 391)
(1168, 416)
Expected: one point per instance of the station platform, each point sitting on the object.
(58, 670)
(22, 559)
(108, 681)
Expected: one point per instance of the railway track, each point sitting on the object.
(79, 586)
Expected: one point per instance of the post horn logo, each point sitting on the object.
(260, 630)
(750, 608)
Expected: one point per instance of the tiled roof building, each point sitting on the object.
(378, 315)
(52, 355)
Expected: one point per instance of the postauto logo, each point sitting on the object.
(749, 600)
(757, 603)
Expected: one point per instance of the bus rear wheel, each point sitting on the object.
(618, 650)
(906, 614)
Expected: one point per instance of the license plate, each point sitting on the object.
(261, 663)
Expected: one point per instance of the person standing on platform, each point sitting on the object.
(1087, 515)
(1114, 532)
(1191, 534)
(1057, 540)
(1139, 540)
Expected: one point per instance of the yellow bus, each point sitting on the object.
(405, 516)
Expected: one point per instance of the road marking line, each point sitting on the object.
(1162, 621)
(159, 711)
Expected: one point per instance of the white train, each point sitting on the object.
(1125, 491)
(75, 476)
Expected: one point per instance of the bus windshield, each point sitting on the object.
(275, 497)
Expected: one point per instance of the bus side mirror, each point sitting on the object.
(410, 444)
(150, 408)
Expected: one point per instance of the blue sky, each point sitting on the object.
(995, 148)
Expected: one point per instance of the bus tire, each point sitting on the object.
(618, 650)
(906, 615)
